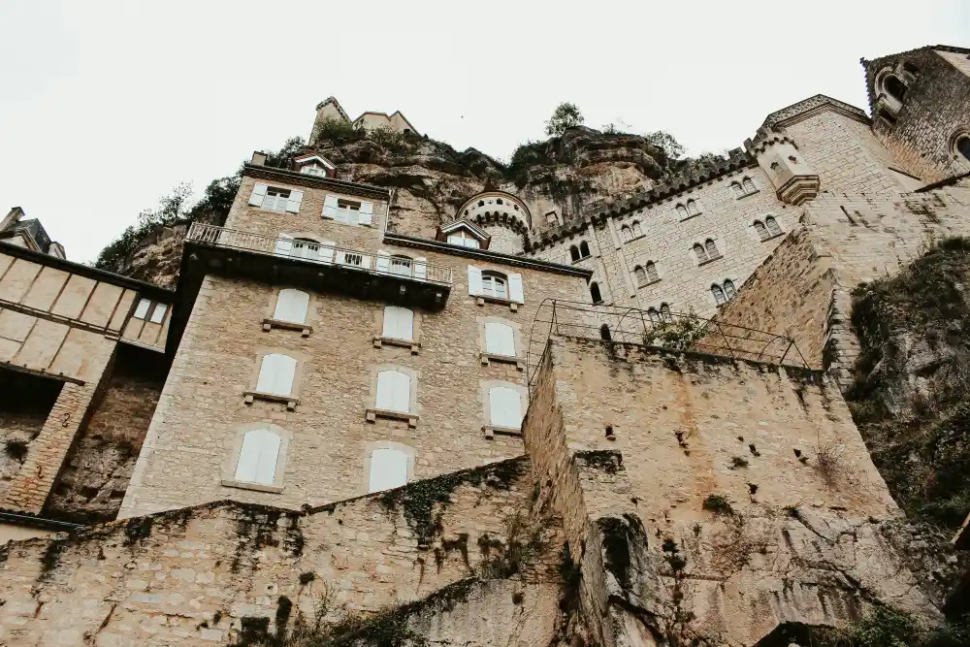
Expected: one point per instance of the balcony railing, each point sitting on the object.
(311, 251)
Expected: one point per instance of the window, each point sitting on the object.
(641, 275)
(398, 323)
(700, 253)
(651, 271)
(711, 248)
(626, 233)
(258, 457)
(738, 189)
(637, 230)
(291, 306)
(313, 169)
(749, 186)
(653, 315)
(761, 230)
(464, 239)
(393, 391)
(594, 292)
(963, 146)
(495, 285)
(772, 225)
(152, 311)
(574, 253)
(276, 199)
(692, 208)
(348, 212)
(605, 333)
(499, 339)
(552, 218)
(505, 408)
(894, 87)
(584, 249)
(665, 313)
(388, 469)
(276, 375)
(729, 289)
(305, 248)
(718, 294)
(682, 211)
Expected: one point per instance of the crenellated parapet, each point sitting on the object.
(794, 179)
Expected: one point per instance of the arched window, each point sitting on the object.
(653, 315)
(494, 285)
(665, 313)
(594, 291)
(692, 208)
(637, 230)
(738, 190)
(711, 248)
(640, 274)
(625, 233)
(700, 253)
(772, 225)
(393, 391)
(652, 274)
(276, 374)
(504, 407)
(401, 265)
(398, 323)
(574, 253)
(291, 306)
(258, 457)
(682, 211)
(729, 289)
(605, 334)
(718, 293)
(499, 339)
(963, 146)
(759, 228)
(894, 87)
(584, 249)
(388, 469)
(749, 186)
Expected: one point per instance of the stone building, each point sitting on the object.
(493, 423)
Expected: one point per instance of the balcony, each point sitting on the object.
(326, 268)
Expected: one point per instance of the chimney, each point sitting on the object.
(12, 218)
(259, 159)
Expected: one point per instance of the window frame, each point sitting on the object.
(293, 399)
(373, 412)
(271, 321)
(486, 357)
(231, 462)
(485, 389)
(492, 278)
(381, 340)
(370, 448)
(151, 307)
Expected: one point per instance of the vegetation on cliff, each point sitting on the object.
(911, 398)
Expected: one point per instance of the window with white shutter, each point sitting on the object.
(393, 391)
(516, 291)
(256, 197)
(152, 311)
(474, 281)
(258, 457)
(293, 201)
(276, 375)
(388, 469)
(499, 339)
(141, 311)
(366, 214)
(330, 207)
(505, 407)
(420, 268)
(398, 323)
(291, 306)
(284, 245)
(158, 314)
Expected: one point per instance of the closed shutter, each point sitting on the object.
(276, 375)
(291, 305)
(158, 314)
(499, 339)
(388, 469)
(293, 203)
(258, 457)
(141, 311)
(420, 266)
(259, 192)
(474, 280)
(505, 407)
(516, 292)
(366, 214)
(330, 207)
(398, 323)
(284, 245)
(326, 251)
(383, 261)
(393, 391)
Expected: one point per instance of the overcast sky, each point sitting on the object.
(105, 106)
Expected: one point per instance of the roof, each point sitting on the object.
(463, 223)
(806, 108)
(309, 157)
(873, 66)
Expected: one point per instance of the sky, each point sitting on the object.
(106, 106)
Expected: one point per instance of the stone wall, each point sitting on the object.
(25, 402)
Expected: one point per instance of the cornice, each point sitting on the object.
(315, 181)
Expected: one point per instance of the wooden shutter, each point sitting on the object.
(276, 374)
(516, 292)
(258, 457)
(388, 469)
(398, 323)
(284, 245)
(291, 305)
(474, 280)
(259, 192)
(330, 207)
(505, 407)
(393, 391)
(383, 261)
(366, 214)
(499, 339)
(293, 203)
(419, 267)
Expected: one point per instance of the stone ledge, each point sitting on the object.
(258, 487)
(415, 346)
(372, 414)
(491, 430)
(269, 324)
(482, 300)
(485, 358)
(289, 400)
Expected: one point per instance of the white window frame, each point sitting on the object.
(151, 311)
(482, 284)
(394, 394)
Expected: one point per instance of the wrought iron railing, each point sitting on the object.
(311, 251)
(670, 330)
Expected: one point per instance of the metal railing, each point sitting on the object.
(669, 330)
(311, 251)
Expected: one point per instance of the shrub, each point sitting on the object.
(718, 504)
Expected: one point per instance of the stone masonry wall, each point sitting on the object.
(25, 402)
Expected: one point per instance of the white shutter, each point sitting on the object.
(248, 457)
(326, 251)
(505, 407)
(388, 469)
(420, 267)
(259, 192)
(258, 456)
(383, 261)
(499, 339)
(158, 314)
(293, 203)
(284, 245)
(515, 288)
(474, 280)
(366, 214)
(398, 323)
(276, 374)
(291, 305)
(141, 311)
(330, 207)
(393, 391)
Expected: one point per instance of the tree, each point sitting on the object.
(667, 143)
(566, 116)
